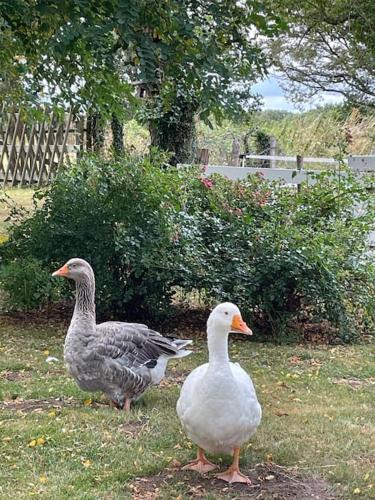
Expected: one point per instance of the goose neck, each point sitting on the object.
(85, 299)
(217, 340)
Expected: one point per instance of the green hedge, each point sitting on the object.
(149, 230)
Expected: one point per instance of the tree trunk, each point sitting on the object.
(117, 135)
(175, 132)
(95, 133)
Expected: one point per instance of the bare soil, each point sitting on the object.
(269, 481)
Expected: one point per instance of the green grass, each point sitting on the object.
(310, 422)
(16, 196)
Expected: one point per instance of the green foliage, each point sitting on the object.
(282, 256)
(27, 285)
(91, 54)
(115, 215)
(330, 46)
(324, 131)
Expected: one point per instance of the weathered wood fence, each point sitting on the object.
(32, 153)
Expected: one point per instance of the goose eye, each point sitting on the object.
(226, 313)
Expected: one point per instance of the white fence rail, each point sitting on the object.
(362, 163)
(288, 175)
(290, 159)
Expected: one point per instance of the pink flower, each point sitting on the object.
(208, 183)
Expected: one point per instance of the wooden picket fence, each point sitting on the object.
(33, 153)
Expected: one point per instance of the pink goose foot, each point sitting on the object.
(201, 464)
(233, 473)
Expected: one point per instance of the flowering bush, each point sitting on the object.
(284, 257)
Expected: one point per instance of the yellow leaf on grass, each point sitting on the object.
(40, 441)
(87, 402)
(43, 479)
(86, 463)
(269, 457)
(366, 476)
(52, 413)
(46, 352)
(357, 491)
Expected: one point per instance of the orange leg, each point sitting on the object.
(127, 404)
(233, 474)
(201, 464)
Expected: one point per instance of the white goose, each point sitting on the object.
(218, 406)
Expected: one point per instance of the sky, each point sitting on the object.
(274, 98)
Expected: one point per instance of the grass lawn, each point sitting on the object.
(20, 197)
(317, 428)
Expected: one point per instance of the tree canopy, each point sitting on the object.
(92, 54)
(330, 46)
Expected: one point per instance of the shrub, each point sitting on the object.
(115, 214)
(27, 285)
(282, 256)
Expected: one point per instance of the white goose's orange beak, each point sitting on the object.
(63, 271)
(239, 326)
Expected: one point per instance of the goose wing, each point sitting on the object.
(132, 344)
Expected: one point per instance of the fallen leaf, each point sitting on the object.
(280, 413)
(86, 463)
(269, 457)
(356, 491)
(46, 352)
(295, 360)
(40, 441)
(32, 443)
(282, 384)
(43, 479)
(87, 402)
(175, 463)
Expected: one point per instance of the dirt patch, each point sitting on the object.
(14, 376)
(269, 481)
(174, 377)
(134, 428)
(52, 315)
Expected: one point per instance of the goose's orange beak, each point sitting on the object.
(63, 271)
(239, 326)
